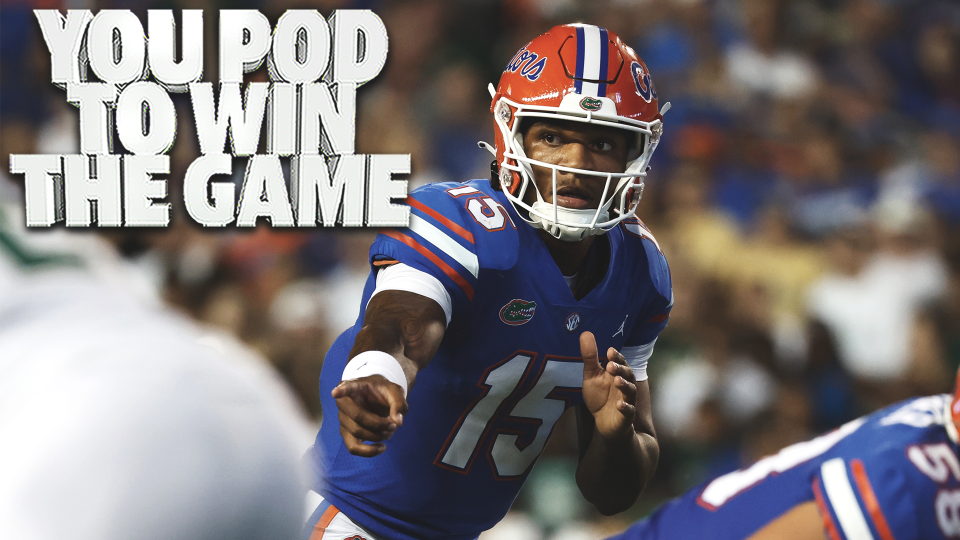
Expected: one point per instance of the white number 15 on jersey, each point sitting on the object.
(541, 404)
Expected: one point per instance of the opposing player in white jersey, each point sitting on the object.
(120, 420)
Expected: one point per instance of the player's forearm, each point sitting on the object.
(612, 473)
(405, 325)
(376, 337)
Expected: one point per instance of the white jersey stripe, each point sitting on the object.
(840, 493)
(591, 60)
(444, 243)
(457, 192)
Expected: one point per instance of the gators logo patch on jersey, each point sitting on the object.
(517, 312)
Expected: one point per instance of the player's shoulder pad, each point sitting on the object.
(640, 243)
(470, 214)
(904, 460)
(915, 418)
(885, 495)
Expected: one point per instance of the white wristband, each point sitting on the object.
(376, 363)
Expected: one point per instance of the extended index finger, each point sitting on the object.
(344, 389)
(393, 395)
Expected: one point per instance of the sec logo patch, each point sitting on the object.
(573, 322)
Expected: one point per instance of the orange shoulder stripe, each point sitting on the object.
(447, 269)
(465, 234)
(828, 524)
(870, 499)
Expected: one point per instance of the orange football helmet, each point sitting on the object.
(581, 73)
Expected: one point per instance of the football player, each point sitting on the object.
(894, 474)
(482, 321)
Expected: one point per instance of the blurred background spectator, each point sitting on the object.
(806, 194)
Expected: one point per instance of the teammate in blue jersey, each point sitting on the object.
(481, 321)
(894, 474)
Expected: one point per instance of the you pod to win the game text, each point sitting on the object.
(307, 113)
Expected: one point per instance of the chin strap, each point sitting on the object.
(564, 232)
(488, 147)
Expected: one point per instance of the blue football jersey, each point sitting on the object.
(508, 366)
(892, 475)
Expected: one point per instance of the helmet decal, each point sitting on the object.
(590, 104)
(527, 63)
(533, 69)
(643, 81)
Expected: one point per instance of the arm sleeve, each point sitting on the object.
(654, 315)
(400, 277)
(637, 357)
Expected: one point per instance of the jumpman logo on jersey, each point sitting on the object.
(622, 325)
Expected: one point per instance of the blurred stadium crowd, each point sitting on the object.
(806, 194)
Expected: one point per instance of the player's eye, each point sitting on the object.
(551, 138)
(603, 146)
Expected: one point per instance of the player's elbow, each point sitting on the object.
(613, 497)
(614, 507)
(421, 345)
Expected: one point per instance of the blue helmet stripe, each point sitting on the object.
(580, 47)
(604, 49)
